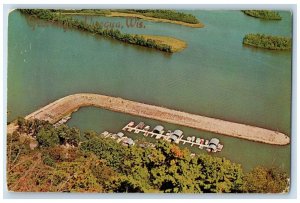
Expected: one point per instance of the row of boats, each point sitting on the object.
(176, 136)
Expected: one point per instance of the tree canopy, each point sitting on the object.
(70, 161)
(266, 180)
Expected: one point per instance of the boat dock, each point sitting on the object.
(62, 121)
(119, 137)
(177, 136)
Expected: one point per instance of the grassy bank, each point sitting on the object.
(57, 17)
(263, 14)
(268, 41)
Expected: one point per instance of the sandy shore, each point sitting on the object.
(55, 111)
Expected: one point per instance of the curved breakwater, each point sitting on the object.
(60, 108)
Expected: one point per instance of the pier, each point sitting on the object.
(60, 108)
(169, 137)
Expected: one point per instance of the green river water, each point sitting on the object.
(214, 76)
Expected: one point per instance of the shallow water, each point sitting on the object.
(215, 76)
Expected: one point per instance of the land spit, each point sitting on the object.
(135, 15)
(58, 109)
(139, 16)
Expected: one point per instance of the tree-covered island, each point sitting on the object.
(165, 44)
(268, 41)
(263, 14)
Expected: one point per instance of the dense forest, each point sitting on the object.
(263, 14)
(95, 28)
(164, 14)
(41, 157)
(268, 41)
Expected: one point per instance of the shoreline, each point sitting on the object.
(254, 14)
(58, 109)
(270, 42)
(266, 48)
(46, 15)
(161, 20)
(133, 15)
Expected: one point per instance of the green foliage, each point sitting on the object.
(164, 14)
(128, 184)
(31, 174)
(134, 168)
(88, 135)
(169, 169)
(61, 153)
(106, 149)
(263, 14)
(16, 147)
(47, 138)
(268, 42)
(101, 12)
(48, 160)
(55, 16)
(266, 180)
(43, 170)
(96, 164)
(68, 135)
(47, 135)
(181, 173)
(105, 175)
(31, 127)
(76, 176)
(219, 175)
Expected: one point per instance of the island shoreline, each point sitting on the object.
(158, 20)
(139, 16)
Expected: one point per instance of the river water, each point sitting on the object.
(214, 76)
